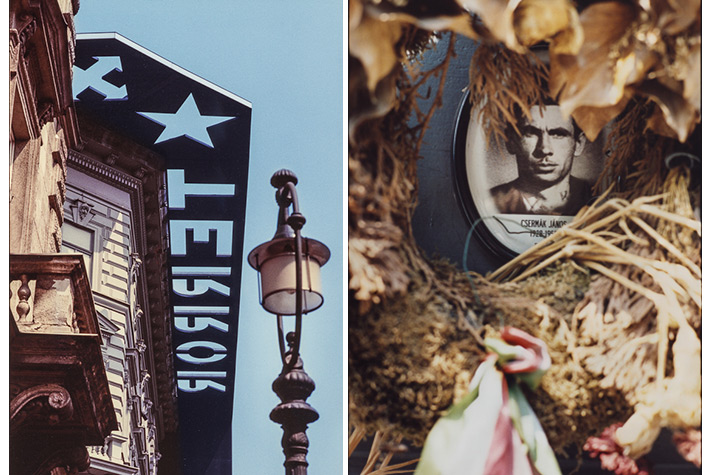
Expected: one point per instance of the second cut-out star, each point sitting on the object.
(186, 121)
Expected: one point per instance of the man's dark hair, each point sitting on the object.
(514, 130)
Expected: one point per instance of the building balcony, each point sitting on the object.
(60, 399)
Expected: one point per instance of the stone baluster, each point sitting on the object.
(23, 306)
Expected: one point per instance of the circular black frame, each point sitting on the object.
(461, 184)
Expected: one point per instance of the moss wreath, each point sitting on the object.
(615, 295)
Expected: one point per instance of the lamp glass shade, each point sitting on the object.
(278, 284)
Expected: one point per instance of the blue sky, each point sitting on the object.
(286, 58)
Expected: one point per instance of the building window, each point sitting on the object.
(81, 240)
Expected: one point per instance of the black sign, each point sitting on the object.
(203, 132)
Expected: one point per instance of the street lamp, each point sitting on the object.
(289, 269)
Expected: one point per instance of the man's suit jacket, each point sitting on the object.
(509, 199)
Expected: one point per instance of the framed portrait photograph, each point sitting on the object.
(521, 191)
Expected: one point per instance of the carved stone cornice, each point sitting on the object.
(103, 172)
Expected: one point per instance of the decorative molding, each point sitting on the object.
(140, 173)
(45, 112)
(49, 403)
(14, 57)
(70, 459)
(71, 26)
(57, 219)
(28, 30)
(105, 173)
(82, 212)
(62, 187)
(136, 263)
(56, 237)
(55, 203)
(60, 152)
(152, 272)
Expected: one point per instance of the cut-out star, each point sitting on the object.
(186, 121)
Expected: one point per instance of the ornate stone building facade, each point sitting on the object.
(59, 393)
(43, 122)
(91, 378)
(114, 220)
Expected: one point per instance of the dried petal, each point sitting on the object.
(689, 445)
(611, 454)
(497, 16)
(639, 432)
(433, 16)
(539, 20)
(569, 40)
(676, 16)
(364, 104)
(691, 76)
(593, 119)
(657, 124)
(355, 12)
(373, 43)
(678, 113)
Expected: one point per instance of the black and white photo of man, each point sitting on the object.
(544, 152)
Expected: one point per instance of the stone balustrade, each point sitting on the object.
(50, 293)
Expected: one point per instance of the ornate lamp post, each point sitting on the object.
(289, 268)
